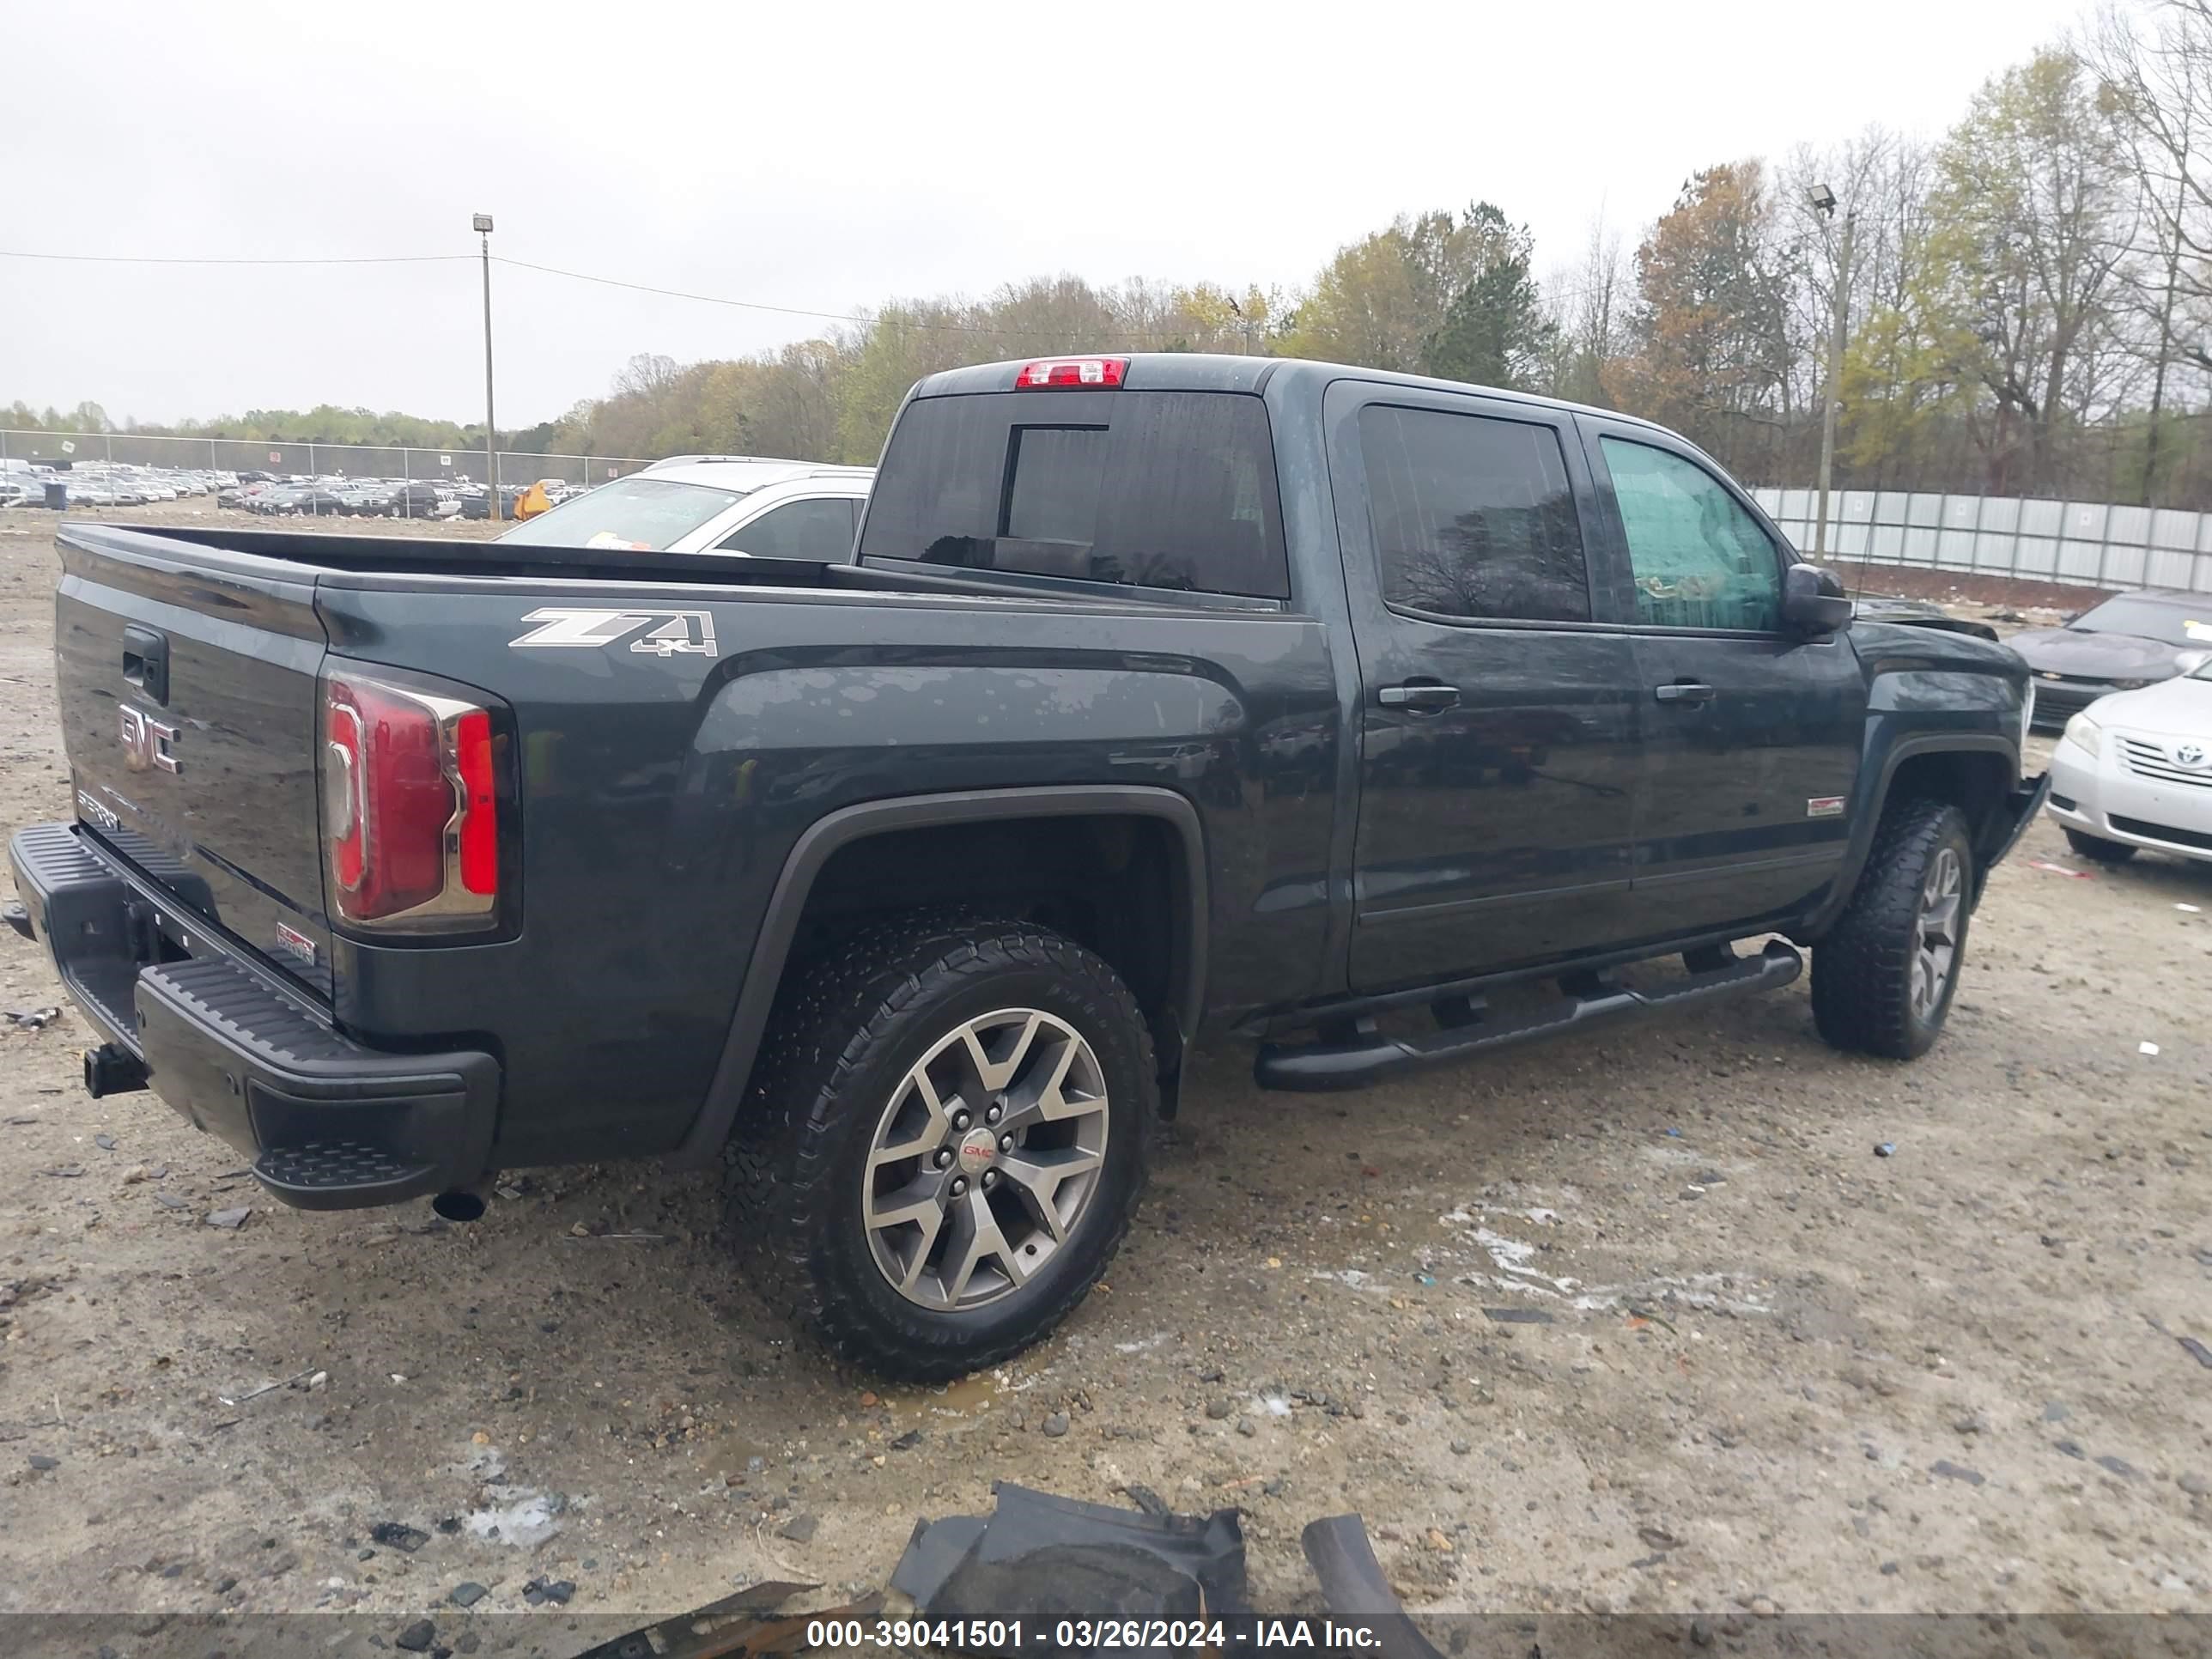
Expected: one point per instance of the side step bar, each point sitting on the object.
(1369, 1057)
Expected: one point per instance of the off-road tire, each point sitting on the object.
(1862, 970)
(2096, 846)
(847, 1027)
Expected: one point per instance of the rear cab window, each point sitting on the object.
(1164, 490)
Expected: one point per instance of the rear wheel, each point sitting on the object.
(1884, 977)
(2097, 848)
(945, 1141)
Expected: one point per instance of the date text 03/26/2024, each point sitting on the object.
(1094, 1635)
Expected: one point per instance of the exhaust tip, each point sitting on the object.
(458, 1206)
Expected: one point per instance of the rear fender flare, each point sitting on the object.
(702, 1143)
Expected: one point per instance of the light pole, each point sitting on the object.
(1824, 203)
(1243, 324)
(481, 223)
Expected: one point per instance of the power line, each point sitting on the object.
(151, 259)
(861, 317)
(858, 318)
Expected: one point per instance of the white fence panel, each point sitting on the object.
(2086, 544)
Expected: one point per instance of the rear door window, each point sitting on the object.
(1173, 489)
(1472, 516)
(820, 529)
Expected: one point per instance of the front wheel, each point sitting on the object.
(945, 1139)
(1884, 977)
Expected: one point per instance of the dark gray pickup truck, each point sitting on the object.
(1377, 720)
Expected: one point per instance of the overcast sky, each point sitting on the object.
(829, 155)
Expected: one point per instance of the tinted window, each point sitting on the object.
(1699, 560)
(1472, 516)
(821, 530)
(1156, 488)
(638, 515)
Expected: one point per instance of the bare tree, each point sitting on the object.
(2155, 77)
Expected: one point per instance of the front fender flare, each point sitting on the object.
(1869, 816)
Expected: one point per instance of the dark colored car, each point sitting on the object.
(1166, 700)
(2131, 641)
(477, 505)
(412, 500)
(1922, 613)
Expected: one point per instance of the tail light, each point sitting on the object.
(1072, 371)
(410, 806)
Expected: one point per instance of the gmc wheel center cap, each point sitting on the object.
(979, 1149)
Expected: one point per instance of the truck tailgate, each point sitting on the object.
(188, 705)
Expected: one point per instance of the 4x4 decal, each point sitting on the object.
(678, 631)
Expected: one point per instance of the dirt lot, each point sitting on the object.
(1636, 1323)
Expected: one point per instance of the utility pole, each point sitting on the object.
(481, 223)
(1824, 200)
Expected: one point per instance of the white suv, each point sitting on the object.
(739, 505)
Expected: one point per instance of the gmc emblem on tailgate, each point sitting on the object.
(148, 745)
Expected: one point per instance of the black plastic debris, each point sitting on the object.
(1146, 1499)
(393, 1535)
(1037, 1556)
(1353, 1584)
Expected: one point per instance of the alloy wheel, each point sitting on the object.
(986, 1159)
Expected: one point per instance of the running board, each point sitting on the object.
(1370, 1057)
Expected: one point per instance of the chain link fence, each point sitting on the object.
(307, 460)
(2077, 544)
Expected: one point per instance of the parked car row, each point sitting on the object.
(25, 484)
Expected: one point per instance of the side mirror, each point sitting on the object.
(1814, 600)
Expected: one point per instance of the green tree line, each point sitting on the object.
(326, 423)
(2029, 308)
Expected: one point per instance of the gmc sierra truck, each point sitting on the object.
(1377, 720)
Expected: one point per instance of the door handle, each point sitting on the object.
(1422, 696)
(1683, 691)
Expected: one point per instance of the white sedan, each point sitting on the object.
(2135, 769)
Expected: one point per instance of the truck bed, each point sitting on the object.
(440, 556)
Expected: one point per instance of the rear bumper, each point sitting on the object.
(329, 1123)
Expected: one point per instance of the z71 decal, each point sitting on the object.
(672, 631)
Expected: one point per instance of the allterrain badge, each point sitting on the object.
(1825, 806)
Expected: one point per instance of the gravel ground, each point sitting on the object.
(1636, 1322)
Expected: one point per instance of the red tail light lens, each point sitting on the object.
(1072, 371)
(410, 806)
(479, 851)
